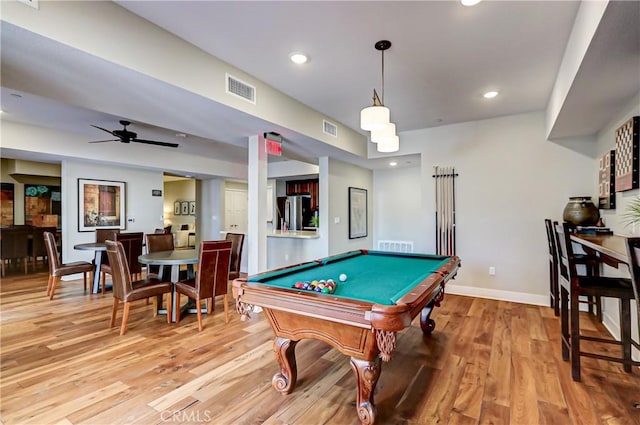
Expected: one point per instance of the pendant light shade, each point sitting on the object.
(374, 118)
(391, 145)
(385, 134)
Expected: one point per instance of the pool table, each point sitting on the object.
(383, 293)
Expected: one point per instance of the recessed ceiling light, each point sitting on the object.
(470, 2)
(298, 58)
(490, 94)
(393, 163)
(182, 135)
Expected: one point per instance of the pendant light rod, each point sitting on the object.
(382, 45)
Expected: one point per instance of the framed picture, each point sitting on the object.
(184, 208)
(357, 213)
(100, 205)
(192, 208)
(176, 208)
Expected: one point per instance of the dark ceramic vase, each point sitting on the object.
(580, 211)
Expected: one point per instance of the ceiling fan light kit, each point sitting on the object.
(126, 136)
(376, 118)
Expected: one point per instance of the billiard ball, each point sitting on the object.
(343, 277)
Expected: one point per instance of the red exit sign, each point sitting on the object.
(273, 147)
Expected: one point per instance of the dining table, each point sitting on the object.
(610, 248)
(172, 260)
(98, 248)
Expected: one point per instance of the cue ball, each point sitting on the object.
(343, 277)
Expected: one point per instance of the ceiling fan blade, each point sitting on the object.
(154, 142)
(102, 141)
(104, 129)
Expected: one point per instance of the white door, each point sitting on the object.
(235, 201)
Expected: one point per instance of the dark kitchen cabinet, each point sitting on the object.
(305, 187)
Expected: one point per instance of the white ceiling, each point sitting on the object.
(444, 56)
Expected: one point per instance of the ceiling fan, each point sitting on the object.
(126, 136)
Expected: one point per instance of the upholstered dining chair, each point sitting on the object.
(211, 279)
(132, 244)
(158, 242)
(572, 286)
(127, 291)
(38, 248)
(58, 269)
(237, 242)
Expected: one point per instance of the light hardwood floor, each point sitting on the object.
(488, 362)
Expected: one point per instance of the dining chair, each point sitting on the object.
(590, 265)
(211, 279)
(158, 242)
(237, 242)
(132, 244)
(127, 291)
(58, 269)
(14, 246)
(38, 248)
(633, 252)
(554, 291)
(572, 286)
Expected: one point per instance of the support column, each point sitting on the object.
(257, 205)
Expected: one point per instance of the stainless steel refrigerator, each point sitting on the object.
(296, 211)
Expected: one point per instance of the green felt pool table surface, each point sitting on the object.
(378, 277)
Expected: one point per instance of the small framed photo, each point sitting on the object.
(184, 207)
(176, 208)
(192, 208)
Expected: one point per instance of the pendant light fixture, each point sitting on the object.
(376, 118)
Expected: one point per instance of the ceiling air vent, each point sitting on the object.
(329, 128)
(241, 89)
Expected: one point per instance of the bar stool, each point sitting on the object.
(572, 286)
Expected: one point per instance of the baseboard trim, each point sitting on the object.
(495, 294)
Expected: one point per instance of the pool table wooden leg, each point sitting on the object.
(367, 374)
(285, 350)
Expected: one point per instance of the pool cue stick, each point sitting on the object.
(446, 211)
(453, 197)
(448, 227)
(435, 186)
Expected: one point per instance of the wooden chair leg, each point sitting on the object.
(104, 281)
(114, 312)
(55, 281)
(226, 309)
(169, 307)
(575, 335)
(26, 265)
(625, 333)
(125, 317)
(84, 276)
(155, 306)
(564, 323)
(49, 285)
(177, 308)
(199, 313)
(209, 302)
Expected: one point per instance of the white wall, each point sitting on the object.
(146, 210)
(399, 191)
(510, 179)
(341, 176)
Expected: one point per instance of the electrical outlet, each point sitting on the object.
(492, 271)
(286, 257)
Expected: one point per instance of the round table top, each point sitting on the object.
(91, 246)
(166, 258)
